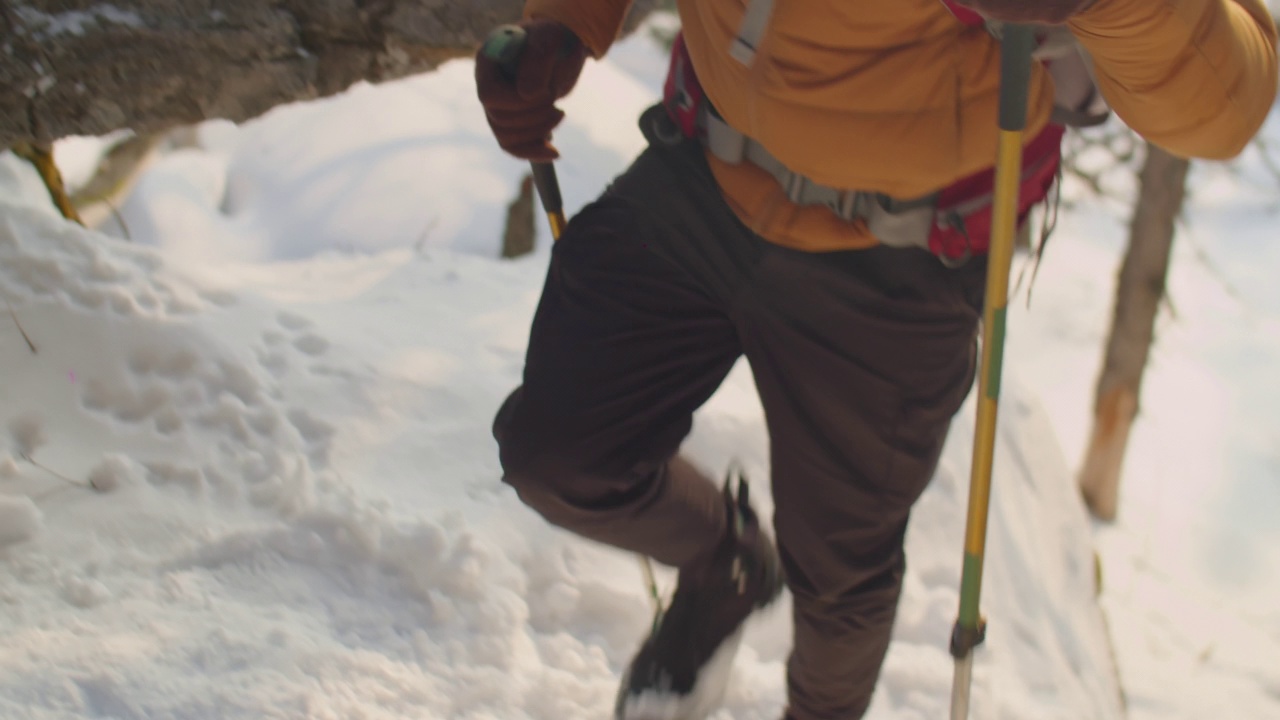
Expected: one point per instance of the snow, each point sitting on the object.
(249, 472)
(1190, 570)
(43, 26)
(20, 520)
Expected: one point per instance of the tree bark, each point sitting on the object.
(1141, 289)
(82, 67)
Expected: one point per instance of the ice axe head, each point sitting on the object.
(503, 46)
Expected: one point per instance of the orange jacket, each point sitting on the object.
(901, 98)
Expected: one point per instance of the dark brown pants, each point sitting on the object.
(861, 358)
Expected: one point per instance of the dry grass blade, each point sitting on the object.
(54, 473)
(21, 330)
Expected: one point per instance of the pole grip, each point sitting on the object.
(503, 46)
(1017, 42)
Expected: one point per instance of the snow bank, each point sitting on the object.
(305, 517)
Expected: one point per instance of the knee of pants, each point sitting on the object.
(556, 475)
(528, 458)
(507, 433)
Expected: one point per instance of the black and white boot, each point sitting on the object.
(681, 670)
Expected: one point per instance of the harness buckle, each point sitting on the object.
(795, 186)
(846, 205)
(954, 220)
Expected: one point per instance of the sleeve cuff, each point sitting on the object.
(595, 22)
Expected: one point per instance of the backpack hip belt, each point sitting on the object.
(954, 222)
(895, 222)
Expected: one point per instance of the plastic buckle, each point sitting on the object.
(796, 186)
(953, 220)
(846, 206)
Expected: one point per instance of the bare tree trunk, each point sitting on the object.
(518, 238)
(1142, 286)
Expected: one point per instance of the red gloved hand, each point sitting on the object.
(519, 101)
(1046, 12)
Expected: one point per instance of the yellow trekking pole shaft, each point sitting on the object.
(544, 178)
(1015, 75)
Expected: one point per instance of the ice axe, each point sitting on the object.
(504, 46)
(1017, 43)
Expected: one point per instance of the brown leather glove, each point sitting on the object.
(519, 101)
(1046, 12)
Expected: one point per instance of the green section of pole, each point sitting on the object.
(969, 592)
(995, 371)
(1015, 73)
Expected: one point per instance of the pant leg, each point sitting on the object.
(631, 336)
(861, 359)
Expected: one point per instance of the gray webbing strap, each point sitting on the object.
(1076, 99)
(751, 32)
(898, 223)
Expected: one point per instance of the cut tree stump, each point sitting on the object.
(1138, 298)
(518, 239)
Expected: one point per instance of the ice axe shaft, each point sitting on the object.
(504, 46)
(1017, 43)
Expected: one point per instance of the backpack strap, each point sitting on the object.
(751, 32)
(964, 14)
(952, 223)
(1077, 102)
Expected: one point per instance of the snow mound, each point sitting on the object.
(20, 520)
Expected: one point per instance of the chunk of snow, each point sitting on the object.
(20, 519)
(114, 470)
(28, 433)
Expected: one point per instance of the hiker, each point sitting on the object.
(815, 197)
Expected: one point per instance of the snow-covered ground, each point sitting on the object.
(280, 392)
(1191, 569)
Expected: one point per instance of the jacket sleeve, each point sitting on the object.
(595, 22)
(1196, 77)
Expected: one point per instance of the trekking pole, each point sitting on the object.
(1015, 75)
(504, 46)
